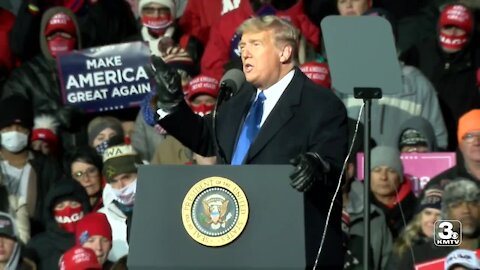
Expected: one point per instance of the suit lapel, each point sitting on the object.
(233, 117)
(279, 116)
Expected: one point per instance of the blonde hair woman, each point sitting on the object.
(420, 228)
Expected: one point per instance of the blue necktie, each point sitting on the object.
(250, 129)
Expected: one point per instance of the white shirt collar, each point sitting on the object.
(273, 94)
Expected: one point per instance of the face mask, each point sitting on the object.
(14, 141)
(203, 109)
(61, 44)
(126, 195)
(157, 25)
(102, 147)
(68, 217)
(452, 42)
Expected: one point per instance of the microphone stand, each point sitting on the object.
(223, 94)
(367, 94)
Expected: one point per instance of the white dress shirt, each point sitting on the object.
(273, 94)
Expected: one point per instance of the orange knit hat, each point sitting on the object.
(469, 122)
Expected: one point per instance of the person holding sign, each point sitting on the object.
(37, 80)
(290, 120)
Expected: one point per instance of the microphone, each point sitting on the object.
(230, 84)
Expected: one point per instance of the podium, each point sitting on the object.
(181, 219)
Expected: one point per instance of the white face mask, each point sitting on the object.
(14, 141)
(126, 195)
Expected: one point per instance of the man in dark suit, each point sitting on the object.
(279, 116)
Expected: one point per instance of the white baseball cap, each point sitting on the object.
(463, 257)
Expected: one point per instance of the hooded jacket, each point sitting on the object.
(381, 240)
(424, 127)
(454, 77)
(417, 98)
(119, 223)
(47, 247)
(219, 47)
(37, 80)
(16, 260)
(401, 211)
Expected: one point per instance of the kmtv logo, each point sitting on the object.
(447, 233)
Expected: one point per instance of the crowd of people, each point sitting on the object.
(68, 177)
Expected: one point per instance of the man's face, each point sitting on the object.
(468, 213)
(261, 58)
(100, 245)
(470, 146)
(6, 249)
(384, 181)
(122, 180)
(352, 7)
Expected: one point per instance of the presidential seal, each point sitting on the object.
(215, 211)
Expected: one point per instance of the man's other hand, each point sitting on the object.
(309, 168)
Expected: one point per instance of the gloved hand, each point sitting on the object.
(169, 84)
(309, 168)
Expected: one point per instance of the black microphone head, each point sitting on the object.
(233, 80)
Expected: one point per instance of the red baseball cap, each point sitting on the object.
(60, 22)
(457, 15)
(79, 258)
(318, 73)
(202, 85)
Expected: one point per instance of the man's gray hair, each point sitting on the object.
(459, 190)
(284, 33)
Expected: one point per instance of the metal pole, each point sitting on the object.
(366, 188)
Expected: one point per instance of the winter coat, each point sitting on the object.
(7, 60)
(381, 239)
(105, 22)
(17, 261)
(118, 222)
(422, 253)
(145, 138)
(417, 98)
(45, 172)
(200, 15)
(457, 171)
(170, 151)
(37, 80)
(397, 218)
(454, 77)
(221, 47)
(189, 43)
(47, 248)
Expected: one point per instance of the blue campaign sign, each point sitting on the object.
(105, 78)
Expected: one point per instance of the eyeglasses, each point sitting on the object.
(470, 137)
(90, 172)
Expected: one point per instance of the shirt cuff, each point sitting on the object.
(162, 113)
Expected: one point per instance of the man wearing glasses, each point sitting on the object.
(468, 163)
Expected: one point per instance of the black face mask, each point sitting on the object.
(115, 140)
